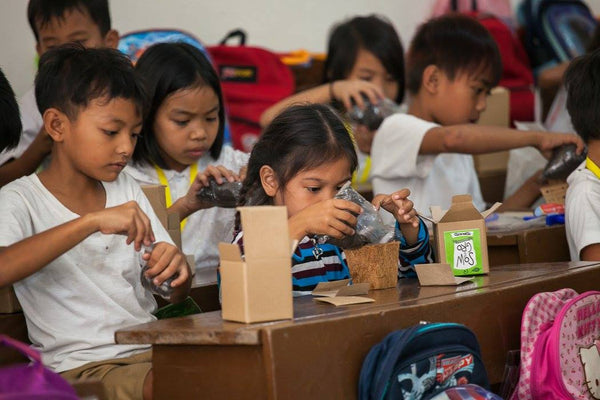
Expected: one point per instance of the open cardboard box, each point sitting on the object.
(258, 286)
(460, 236)
(156, 196)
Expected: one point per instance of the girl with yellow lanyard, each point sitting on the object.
(181, 147)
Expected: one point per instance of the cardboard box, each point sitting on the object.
(497, 113)
(376, 264)
(8, 301)
(258, 286)
(460, 236)
(156, 196)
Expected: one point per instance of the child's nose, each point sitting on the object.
(198, 133)
(126, 145)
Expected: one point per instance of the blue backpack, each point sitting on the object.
(555, 30)
(421, 362)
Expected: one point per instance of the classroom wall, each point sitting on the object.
(280, 25)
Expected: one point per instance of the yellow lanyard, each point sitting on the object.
(589, 164)
(364, 174)
(162, 178)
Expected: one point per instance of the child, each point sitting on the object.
(452, 64)
(582, 211)
(182, 146)
(53, 23)
(65, 233)
(301, 161)
(10, 128)
(364, 58)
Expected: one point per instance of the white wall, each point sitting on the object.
(280, 25)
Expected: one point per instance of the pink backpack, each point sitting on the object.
(560, 347)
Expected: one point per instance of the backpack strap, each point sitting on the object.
(239, 33)
(454, 5)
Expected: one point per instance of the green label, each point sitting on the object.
(463, 251)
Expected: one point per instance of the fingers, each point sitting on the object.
(139, 229)
(347, 205)
(219, 173)
(166, 261)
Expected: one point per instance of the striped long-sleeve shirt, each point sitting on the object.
(313, 263)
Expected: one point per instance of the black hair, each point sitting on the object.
(42, 11)
(582, 81)
(71, 76)
(165, 69)
(454, 43)
(371, 33)
(302, 137)
(10, 120)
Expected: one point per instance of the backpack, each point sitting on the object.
(253, 79)
(420, 362)
(31, 381)
(560, 346)
(517, 76)
(499, 8)
(555, 30)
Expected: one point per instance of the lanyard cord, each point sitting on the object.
(589, 164)
(162, 178)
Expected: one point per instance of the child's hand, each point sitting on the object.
(219, 173)
(127, 219)
(364, 138)
(165, 261)
(333, 217)
(348, 90)
(549, 141)
(399, 206)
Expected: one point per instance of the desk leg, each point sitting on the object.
(208, 372)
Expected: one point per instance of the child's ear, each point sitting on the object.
(431, 78)
(268, 179)
(55, 123)
(111, 39)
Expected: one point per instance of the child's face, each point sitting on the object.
(186, 126)
(368, 68)
(314, 185)
(100, 141)
(461, 100)
(73, 26)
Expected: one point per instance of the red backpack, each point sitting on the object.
(252, 79)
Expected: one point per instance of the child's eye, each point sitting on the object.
(136, 135)
(180, 122)
(313, 189)
(109, 132)
(212, 119)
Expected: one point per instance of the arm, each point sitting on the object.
(480, 139)
(29, 255)
(590, 253)
(523, 197)
(346, 91)
(29, 161)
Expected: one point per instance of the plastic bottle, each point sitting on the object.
(164, 290)
(373, 114)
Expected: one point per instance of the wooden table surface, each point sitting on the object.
(319, 353)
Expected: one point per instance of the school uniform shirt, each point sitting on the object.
(31, 120)
(582, 210)
(313, 263)
(204, 229)
(74, 305)
(432, 179)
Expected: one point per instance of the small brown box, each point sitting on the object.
(376, 264)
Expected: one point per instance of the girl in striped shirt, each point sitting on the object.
(301, 160)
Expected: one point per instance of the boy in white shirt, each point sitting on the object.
(70, 236)
(53, 23)
(582, 205)
(452, 64)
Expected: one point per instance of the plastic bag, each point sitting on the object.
(225, 195)
(564, 161)
(164, 290)
(369, 226)
(373, 114)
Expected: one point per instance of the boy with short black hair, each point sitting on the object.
(53, 23)
(452, 64)
(582, 212)
(66, 233)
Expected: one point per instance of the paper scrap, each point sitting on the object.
(340, 288)
(345, 300)
(438, 275)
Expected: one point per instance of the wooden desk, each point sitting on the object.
(533, 245)
(319, 354)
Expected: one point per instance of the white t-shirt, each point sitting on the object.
(582, 210)
(32, 123)
(432, 179)
(74, 305)
(204, 229)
